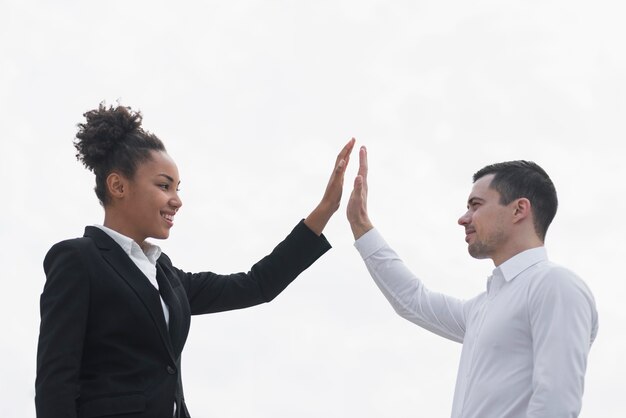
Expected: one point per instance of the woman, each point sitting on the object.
(115, 311)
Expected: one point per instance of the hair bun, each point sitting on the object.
(105, 130)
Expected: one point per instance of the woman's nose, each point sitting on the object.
(176, 202)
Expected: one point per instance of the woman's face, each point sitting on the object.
(152, 199)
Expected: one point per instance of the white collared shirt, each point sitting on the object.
(145, 259)
(525, 340)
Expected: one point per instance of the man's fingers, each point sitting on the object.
(363, 163)
(360, 187)
(358, 199)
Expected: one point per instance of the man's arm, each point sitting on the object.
(563, 321)
(433, 311)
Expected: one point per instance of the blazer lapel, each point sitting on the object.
(130, 273)
(174, 304)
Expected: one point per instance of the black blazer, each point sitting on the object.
(104, 347)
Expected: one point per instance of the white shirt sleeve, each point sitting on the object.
(562, 319)
(438, 313)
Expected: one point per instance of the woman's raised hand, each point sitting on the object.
(329, 204)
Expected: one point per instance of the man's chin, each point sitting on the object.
(477, 252)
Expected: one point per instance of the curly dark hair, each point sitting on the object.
(517, 179)
(112, 139)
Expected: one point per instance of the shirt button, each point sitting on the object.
(171, 370)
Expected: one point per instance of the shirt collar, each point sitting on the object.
(512, 267)
(151, 251)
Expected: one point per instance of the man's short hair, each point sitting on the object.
(524, 179)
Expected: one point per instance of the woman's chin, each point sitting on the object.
(161, 235)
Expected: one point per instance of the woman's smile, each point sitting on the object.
(169, 218)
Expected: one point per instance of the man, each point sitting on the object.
(526, 339)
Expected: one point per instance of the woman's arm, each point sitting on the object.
(209, 292)
(64, 305)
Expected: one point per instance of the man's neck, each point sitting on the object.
(515, 248)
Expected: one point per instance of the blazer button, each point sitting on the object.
(171, 370)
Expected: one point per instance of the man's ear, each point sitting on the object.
(117, 185)
(521, 209)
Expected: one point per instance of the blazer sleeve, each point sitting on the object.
(209, 292)
(64, 304)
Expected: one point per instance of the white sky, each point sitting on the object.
(253, 100)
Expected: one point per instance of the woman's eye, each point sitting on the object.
(164, 186)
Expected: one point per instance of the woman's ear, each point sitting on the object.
(117, 186)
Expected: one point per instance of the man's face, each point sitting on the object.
(486, 222)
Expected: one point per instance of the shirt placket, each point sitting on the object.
(494, 284)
